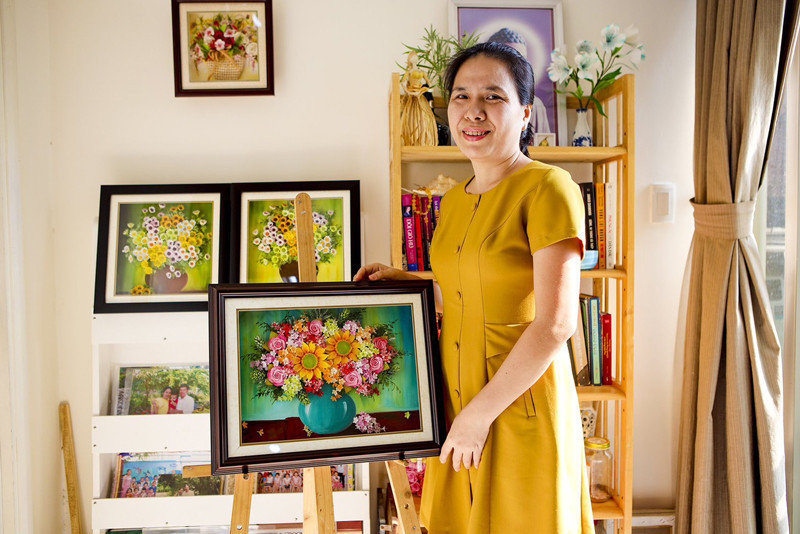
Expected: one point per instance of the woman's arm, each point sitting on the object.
(556, 276)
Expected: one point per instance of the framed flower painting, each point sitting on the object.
(160, 246)
(312, 374)
(222, 48)
(267, 232)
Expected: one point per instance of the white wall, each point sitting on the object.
(98, 83)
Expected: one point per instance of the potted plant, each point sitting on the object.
(597, 67)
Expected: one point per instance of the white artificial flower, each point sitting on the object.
(631, 35)
(208, 39)
(612, 38)
(584, 66)
(559, 70)
(252, 49)
(229, 33)
(219, 44)
(637, 55)
(585, 47)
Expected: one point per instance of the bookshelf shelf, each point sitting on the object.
(612, 161)
(618, 274)
(607, 510)
(600, 393)
(556, 154)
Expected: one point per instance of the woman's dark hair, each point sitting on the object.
(519, 68)
(165, 390)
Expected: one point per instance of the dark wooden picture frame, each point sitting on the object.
(237, 446)
(130, 276)
(343, 196)
(223, 48)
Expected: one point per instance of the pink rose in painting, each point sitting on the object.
(381, 343)
(412, 476)
(416, 488)
(277, 343)
(352, 380)
(315, 327)
(376, 364)
(277, 375)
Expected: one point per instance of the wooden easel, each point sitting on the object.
(317, 487)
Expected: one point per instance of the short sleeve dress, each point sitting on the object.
(532, 476)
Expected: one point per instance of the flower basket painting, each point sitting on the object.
(222, 48)
(316, 374)
(268, 231)
(158, 247)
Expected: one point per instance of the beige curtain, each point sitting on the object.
(731, 460)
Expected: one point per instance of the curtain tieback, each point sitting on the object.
(724, 221)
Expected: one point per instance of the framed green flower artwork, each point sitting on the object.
(314, 374)
(160, 246)
(267, 236)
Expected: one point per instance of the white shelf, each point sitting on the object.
(136, 328)
(216, 510)
(151, 433)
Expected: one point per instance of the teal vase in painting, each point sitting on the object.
(325, 416)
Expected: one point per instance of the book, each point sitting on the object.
(577, 350)
(427, 230)
(587, 189)
(436, 208)
(605, 335)
(418, 234)
(600, 208)
(410, 233)
(590, 309)
(611, 224)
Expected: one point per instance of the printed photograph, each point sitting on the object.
(162, 390)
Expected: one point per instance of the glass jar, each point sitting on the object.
(599, 467)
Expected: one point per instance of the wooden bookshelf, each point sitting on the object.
(612, 160)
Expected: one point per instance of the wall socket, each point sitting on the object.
(662, 203)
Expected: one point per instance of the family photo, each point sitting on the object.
(162, 390)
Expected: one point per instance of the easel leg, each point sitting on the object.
(70, 467)
(406, 512)
(318, 501)
(242, 499)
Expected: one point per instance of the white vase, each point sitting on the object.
(582, 136)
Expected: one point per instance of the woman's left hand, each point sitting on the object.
(465, 440)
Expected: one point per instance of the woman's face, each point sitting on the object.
(167, 393)
(486, 117)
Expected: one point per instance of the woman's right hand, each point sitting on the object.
(379, 271)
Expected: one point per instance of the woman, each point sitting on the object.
(509, 241)
(160, 405)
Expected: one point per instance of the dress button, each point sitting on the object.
(457, 345)
(458, 295)
(458, 393)
(458, 249)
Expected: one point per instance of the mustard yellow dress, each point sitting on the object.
(532, 476)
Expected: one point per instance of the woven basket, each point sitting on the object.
(226, 67)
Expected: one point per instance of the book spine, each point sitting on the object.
(580, 362)
(587, 337)
(436, 208)
(605, 320)
(591, 216)
(425, 216)
(410, 233)
(597, 355)
(600, 204)
(418, 235)
(611, 224)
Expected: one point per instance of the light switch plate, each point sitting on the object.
(662, 203)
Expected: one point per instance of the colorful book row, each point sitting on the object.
(420, 217)
(590, 347)
(600, 200)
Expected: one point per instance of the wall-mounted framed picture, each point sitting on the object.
(534, 28)
(544, 139)
(267, 233)
(223, 48)
(160, 246)
(312, 374)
